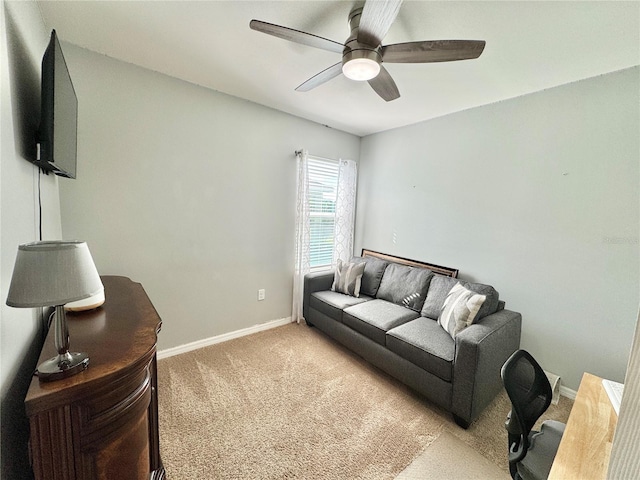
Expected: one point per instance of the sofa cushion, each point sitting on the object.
(424, 343)
(460, 309)
(373, 319)
(373, 270)
(492, 302)
(332, 303)
(347, 278)
(404, 285)
(440, 287)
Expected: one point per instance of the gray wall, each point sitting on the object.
(537, 196)
(190, 192)
(23, 39)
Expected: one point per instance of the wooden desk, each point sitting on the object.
(586, 443)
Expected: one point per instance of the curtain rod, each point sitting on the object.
(298, 152)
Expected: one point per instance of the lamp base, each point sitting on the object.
(62, 366)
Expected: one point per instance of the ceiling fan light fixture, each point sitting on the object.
(361, 69)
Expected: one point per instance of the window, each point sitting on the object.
(323, 188)
(325, 217)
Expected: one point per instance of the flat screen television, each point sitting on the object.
(57, 136)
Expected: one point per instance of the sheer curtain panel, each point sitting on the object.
(301, 267)
(345, 211)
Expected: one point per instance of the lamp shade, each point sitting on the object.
(53, 273)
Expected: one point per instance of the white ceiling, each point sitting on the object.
(531, 46)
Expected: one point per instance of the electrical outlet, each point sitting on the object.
(261, 294)
(394, 237)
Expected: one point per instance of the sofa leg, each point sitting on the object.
(460, 421)
(308, 323)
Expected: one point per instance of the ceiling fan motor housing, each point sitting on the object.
(362, 53)
(365, 52)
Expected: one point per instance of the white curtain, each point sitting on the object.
(345, 211)
(301, 267)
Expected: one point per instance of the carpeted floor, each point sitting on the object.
(291, 403)
(450, 458)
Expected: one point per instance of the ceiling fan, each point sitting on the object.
(363, 52)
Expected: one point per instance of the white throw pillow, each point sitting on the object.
(348, 278)
(460, 309)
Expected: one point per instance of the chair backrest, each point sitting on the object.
(530, 393)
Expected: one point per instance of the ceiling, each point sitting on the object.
(531, 46)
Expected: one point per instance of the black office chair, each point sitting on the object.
(531, 453)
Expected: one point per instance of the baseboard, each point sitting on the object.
(567, 392)
(170, 352)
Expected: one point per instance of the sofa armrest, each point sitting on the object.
(315, 282)
(480, 351)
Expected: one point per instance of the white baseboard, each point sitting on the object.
(170, 352)
(567, 392)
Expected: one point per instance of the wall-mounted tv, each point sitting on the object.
(57, 136)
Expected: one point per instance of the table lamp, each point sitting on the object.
(53, 273)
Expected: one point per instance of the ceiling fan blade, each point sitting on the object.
(432, 51)
(376, 19)
(322, 77)
(296, 36)
(384, 85)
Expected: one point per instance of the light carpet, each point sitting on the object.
(291, 403)
(450, 458)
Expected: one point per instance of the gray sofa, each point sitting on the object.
(393, 325)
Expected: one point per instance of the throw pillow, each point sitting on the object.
(460, 309)
(348, 278)
(440, 288)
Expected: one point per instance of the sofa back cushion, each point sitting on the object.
(373, 270)
(404, 285)
(441, 286)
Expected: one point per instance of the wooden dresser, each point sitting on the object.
(102, 423)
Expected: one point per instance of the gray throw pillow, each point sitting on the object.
(348, 278)
(404, 285)
(460, 309)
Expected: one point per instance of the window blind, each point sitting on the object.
(323, 188)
